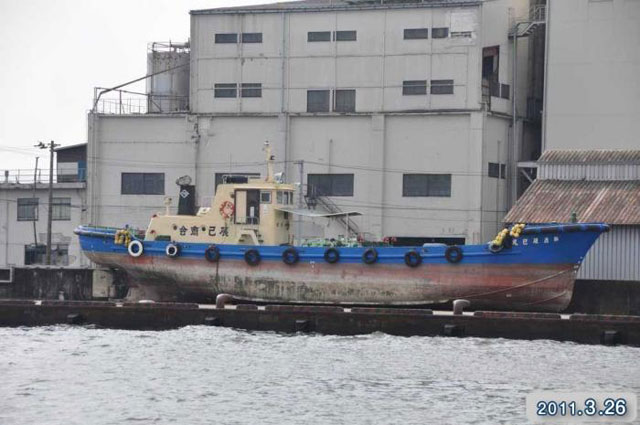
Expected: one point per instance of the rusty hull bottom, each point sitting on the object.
(528, 287)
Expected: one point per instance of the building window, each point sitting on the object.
(346, 35)
(225, 90)
(142, 184)
(490, 69)
(34, 254)
(504, 91)
(229, 38)
(344, 101)
(317, 100)
(61, 209)
(251, 90)
(440, 33)
(461, 34)
(252, 37)
(414, 87)
(27, 209)
(318, 36)
(497, 170)
(441, 86)
(494, 88)
(416, 33)
(329, 185)
(426, 185)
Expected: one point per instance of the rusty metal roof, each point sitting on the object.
(597, 156)
(545, 201)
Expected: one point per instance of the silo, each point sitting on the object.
(168, 91)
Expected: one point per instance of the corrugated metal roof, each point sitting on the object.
(545, 201)
(64, 148)
(598, 156)
(318, 5)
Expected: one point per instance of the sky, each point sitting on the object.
(54, 52)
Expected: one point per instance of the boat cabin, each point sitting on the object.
(244, 211)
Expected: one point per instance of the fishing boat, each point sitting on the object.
(242, 245)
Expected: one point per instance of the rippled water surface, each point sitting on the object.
(202, 375)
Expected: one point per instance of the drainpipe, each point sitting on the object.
(513, 169)
(547, 29)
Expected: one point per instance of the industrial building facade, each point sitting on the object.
(399, 110)
(24, 203)
(592, 95)
(591, 115)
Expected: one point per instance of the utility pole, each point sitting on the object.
(51, 146)
(35, 182)
(300, 200)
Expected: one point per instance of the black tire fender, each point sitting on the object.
(331, 255)
(412, 258)
(212, 254)
(252, 257)
(172, 250)
(370, 256)
(453, 254)
(290, 256)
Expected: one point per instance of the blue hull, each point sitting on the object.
(540, 268)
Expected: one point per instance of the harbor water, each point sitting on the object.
(203, 375)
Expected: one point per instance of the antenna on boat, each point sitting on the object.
(270, 159)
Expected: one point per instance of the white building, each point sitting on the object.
(400, 110)
(24, 210)
(591, 163)
(592, 95)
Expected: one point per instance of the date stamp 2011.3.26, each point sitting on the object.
(584, 407)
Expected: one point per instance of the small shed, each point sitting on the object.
(593, 186)
(72, 163)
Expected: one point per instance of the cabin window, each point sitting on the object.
(221, 178)
(265, 197)
(284, 198)
(426, 185)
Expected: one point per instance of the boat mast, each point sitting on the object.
(270, 159)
